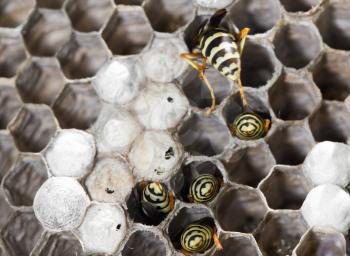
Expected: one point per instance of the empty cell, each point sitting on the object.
(63, 243)
(8, 152)
(259, 16)
(331, 122)
(286, 187)
(280, 232)
(250, 164)
(144, 243)
(19, 191)
(128, 31)
(33, 127)
(40, 80)
(77, 106)
(197, 92)
(203, 135)
(14, 12)
(294, 96)
(331, 74)
(182, 180)
(296, 45)
(21, 233)
(46, 31)
(88, 15)
(290, 143)
(299, 5)
(321, 241)
(238, 245)
(258, 64)
(129, 2)
(12, 53)
(334, 25)
(10, 103)
(50, 4)
(82, 55)
(168, 15)
(240, 209)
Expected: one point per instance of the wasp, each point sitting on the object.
(156, 200)
(216, 46)
(204, 188)
(199, 237)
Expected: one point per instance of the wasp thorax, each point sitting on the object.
(156, 199)
(204, 188)
(250, 126)
(197, 238)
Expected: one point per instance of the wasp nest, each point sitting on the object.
(95, 100)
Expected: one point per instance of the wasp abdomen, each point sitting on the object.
(156, 195)
(221, 50)
(197, 238)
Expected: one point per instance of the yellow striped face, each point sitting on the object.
(197, 238)
(249, 126)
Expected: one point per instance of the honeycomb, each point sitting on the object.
(72, 73)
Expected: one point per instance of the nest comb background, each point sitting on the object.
(296, 66)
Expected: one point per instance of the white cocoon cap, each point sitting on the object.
(155, 155)
(328, 162)
(103, 228)
(60, 204)
(71, 153)
(327, 205)
(110, 181)
(217, 4)
(119, 80)
(161, 106)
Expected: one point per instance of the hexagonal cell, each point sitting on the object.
(258, 64)
(296, 45)
(184, 217)
(202, 135)
(46, 31)
(10, 103)
(6, 210)
(24, 179)
(144, 243)
(321, 241)
(332, 77)
(286, 187)
(257, 101)
(238, 245)
(77, 106)
(197, 92)
(290, 143)
(8, 152)
(63, 243)
(259, 16)
(33, 127)
(334, 24)
(299, 5)
(14, 12)
(50, 4)
(129, 2)
(40, 80)
(88, 15)
(168, 15)
(331, 122)
(12, 53)
(182, 180)
(280, 232)
(294, 96)
(21, 233)
(135, 208)
(82, 55)
(240, 209)
(128, 31)
(248, 165)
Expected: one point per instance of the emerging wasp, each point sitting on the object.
(204, 188)
(199, 237)
(215, 45)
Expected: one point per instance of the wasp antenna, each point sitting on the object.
(217, 17)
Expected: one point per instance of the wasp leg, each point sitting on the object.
(184, 252)
(171, 200)
(241, 92)
(217, 242)
(242, 38)
(267, 125)
(189, 57)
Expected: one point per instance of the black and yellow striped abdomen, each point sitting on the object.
(204, 188)
(197, 238)
(156, 196)
(222, 52)
(249, 126)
